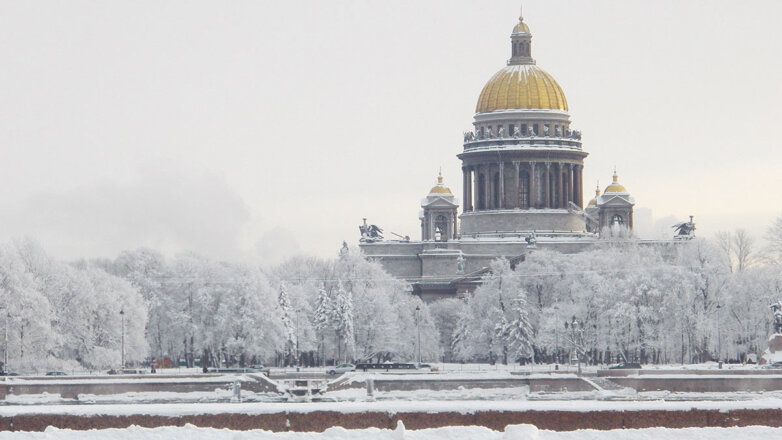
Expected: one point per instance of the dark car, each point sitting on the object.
(55, 373)
(626, 366)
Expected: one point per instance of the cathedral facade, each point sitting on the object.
(522, 187)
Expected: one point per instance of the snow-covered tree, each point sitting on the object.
(774, 239)
(288, 324)
(343, 318)
(496, 319)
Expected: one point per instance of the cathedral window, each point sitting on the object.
(617, 220)
(511, 127)
(523, 190)
(481, 194)
(440, 228)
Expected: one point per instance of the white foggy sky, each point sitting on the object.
(243, 128)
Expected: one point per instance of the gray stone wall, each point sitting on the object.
(520, 221)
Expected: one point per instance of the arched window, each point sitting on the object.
(523, 190)
(440, 228)
(617, 220)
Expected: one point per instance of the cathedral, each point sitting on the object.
(522, 188)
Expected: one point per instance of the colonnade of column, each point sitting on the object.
(484, 185)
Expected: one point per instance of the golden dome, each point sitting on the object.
(521, 28)
(521, 86)
(615, 186)
(440, 188)
(593, 202)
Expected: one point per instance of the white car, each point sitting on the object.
(341, 368)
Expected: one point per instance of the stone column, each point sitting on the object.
(501, 198)
(476, 180)
(517, 203)
(547, 186)
(532, 187)
(467, 190)
(560, 189)
(578, 188)
(569, 197)
(455, 226)
(487, 185)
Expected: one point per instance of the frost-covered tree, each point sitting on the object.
(343, 318)
(288, 324)
(495, 324)
(774, 239)
(324, 314)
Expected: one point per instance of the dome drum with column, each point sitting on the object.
(522, 165)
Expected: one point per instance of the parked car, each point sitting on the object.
(341, 368)
(427, 366)
(626, 366)
(260, 369)
(773, 365)
(55, 373)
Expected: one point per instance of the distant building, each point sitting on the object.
(522, 187)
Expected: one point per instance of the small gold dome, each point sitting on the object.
(440, 188)
(521, 86)
(593, 202)
(521, 28)
(615, 186)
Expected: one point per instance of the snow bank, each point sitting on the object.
(392, 407)
(513, 432)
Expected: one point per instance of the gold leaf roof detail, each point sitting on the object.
(615, 186)
(522, 86)
(440, 188)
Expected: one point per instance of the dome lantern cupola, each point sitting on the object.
(615, 186)
(593, 202)
(440, 188)
(521, 44)
(439, 213)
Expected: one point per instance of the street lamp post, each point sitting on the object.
(5, 346)
(719, 337)
(122, 318)
(418, 328)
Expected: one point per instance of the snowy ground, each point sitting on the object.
(516, 432)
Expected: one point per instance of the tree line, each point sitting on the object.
(700, 300)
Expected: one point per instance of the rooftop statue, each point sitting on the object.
(685, 230)
(370, 233)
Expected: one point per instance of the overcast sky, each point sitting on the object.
(252, 129)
